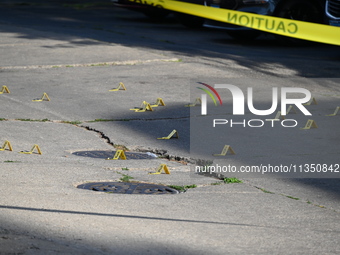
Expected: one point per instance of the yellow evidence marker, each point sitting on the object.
(120, 87)
(159, 102)
(291, 109)
(6, 144)
(161, 168)
(310, 124)
(225, 150)
(44, 97)
(35, 146)
(119, 154)
(198, 101)
(4, 89)
(174, 132)
(335, 112)
(144, 107)
(312, 101)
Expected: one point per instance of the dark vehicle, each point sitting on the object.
(154, 12)
(333, 12)
(303, 10)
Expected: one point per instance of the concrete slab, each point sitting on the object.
(129, 231)
(76, 55)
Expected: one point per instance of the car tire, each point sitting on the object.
(302, 10)
(244, 35)
(189, 20)
(156, 13)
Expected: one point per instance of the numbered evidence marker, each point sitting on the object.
(310, 124)
(225, 150)
(6, 144)
(335, 112)
(120, 87)
(173, 134)
(290, 109)
(312, 101)
(198, 101)
(162, 167)
(279, 116)
(159, 102)
(35, 146)
(4, 89)
(119, 154)
(144, 107)
(44, 97)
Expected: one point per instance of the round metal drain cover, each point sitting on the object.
(110, 154)
(128, 188)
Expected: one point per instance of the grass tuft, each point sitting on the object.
(231, 180)
(182, 188)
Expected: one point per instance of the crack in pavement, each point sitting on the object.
(160, 152)
(114, 63)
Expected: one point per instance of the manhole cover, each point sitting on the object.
(128, 188)
(110, 154)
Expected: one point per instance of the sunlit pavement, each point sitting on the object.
(76, 54)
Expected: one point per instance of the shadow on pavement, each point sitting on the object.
(106, 23)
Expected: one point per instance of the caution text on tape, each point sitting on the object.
(287, 27)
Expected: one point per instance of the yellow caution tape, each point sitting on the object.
(286, 27)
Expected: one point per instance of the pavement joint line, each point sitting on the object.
(135, 119)
(114, 63)
(292, 197)
(92, 121)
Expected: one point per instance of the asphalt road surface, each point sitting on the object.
(76, 51)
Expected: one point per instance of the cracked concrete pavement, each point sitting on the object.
(76, 56)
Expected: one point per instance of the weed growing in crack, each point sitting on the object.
(31, 120)
(183, 188)
(231, 180)
(216, 183)
(126, 178)
(295, 198)
(76, 122)
(265, 191)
